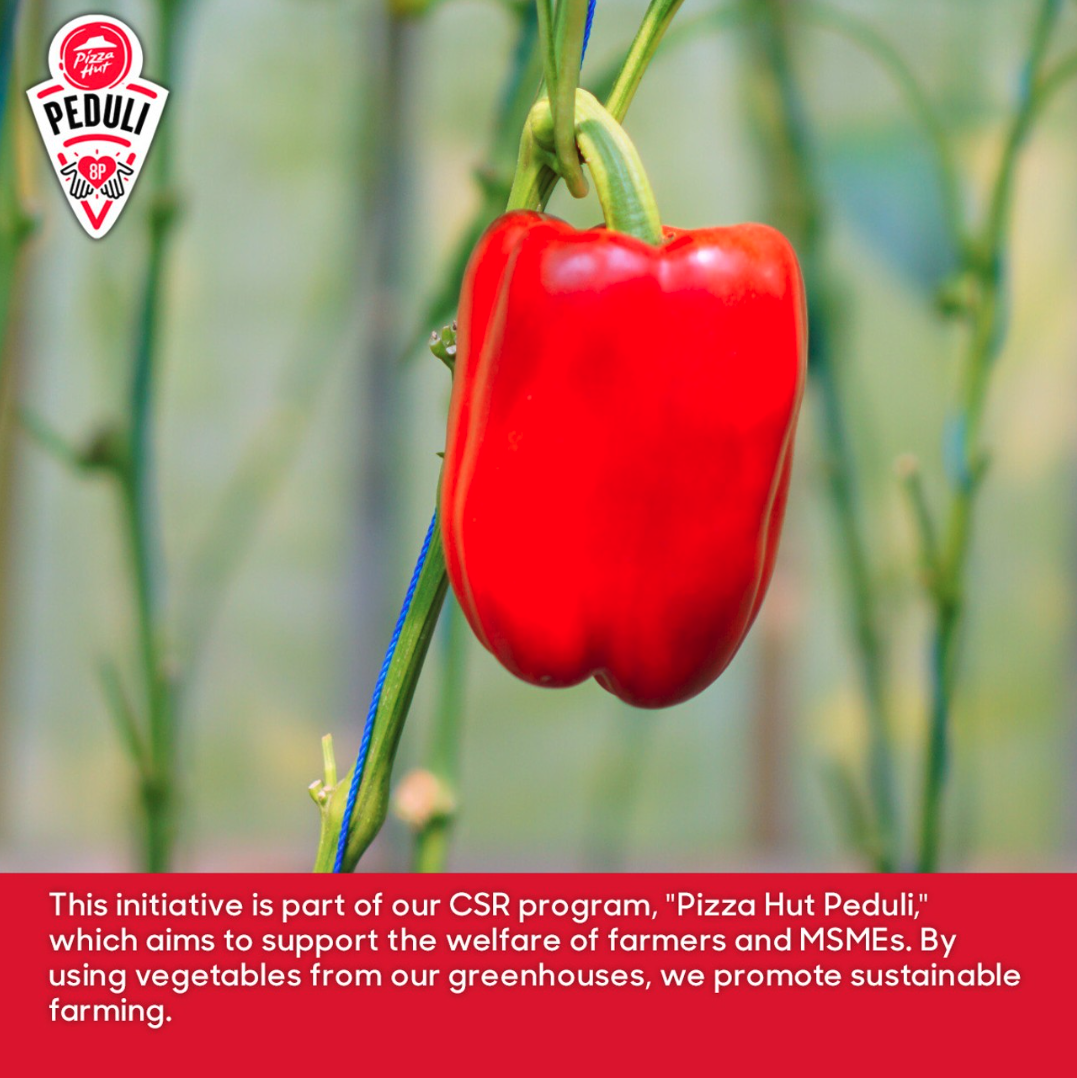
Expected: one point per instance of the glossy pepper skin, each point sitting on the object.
(619, 444)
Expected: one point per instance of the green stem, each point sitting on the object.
(644, 46)
(547, 36)
(1054, 80)
(801, 207)
(571, 19)
(386, 229)
(51, 441)
(911, 479)
(535, 180)
(124, 715)
(1027, 108)
(624, 191)
(967, 465)
(138, 489)
(863, 606)
(431, 852)
(407, 662)
(432, 837)
(403, 676)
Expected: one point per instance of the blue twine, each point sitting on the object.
(372, 711)
(591, 5)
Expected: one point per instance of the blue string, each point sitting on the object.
(368, 728)
(591, 5)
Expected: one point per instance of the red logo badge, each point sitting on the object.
(97, 116)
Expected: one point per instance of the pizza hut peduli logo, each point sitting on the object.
(97, 116)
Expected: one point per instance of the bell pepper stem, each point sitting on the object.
(624, 191)
(535, 179)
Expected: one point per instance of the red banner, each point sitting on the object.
(525, 974)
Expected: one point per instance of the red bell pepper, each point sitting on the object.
(619, 444)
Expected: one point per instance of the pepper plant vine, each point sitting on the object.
(171, 637)
(979, 302)
(122, 452)
(976, 297)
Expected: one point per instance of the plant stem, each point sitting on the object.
(655, 24)
(571, 19)
(546, 26)
(432, 837)
(138, 490)
(431, 852)
(403, 676)
(404, 670)
(624, 192)
(801, 212)
(386, 228)
(967, 463)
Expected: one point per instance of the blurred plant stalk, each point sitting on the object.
(976, 295)
(799, 210)
(233, 523)
(137, 478)
(385, 235)
(979, 298)
(426, 799)
(123, 452)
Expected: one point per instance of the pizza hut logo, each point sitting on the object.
(97, 116)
